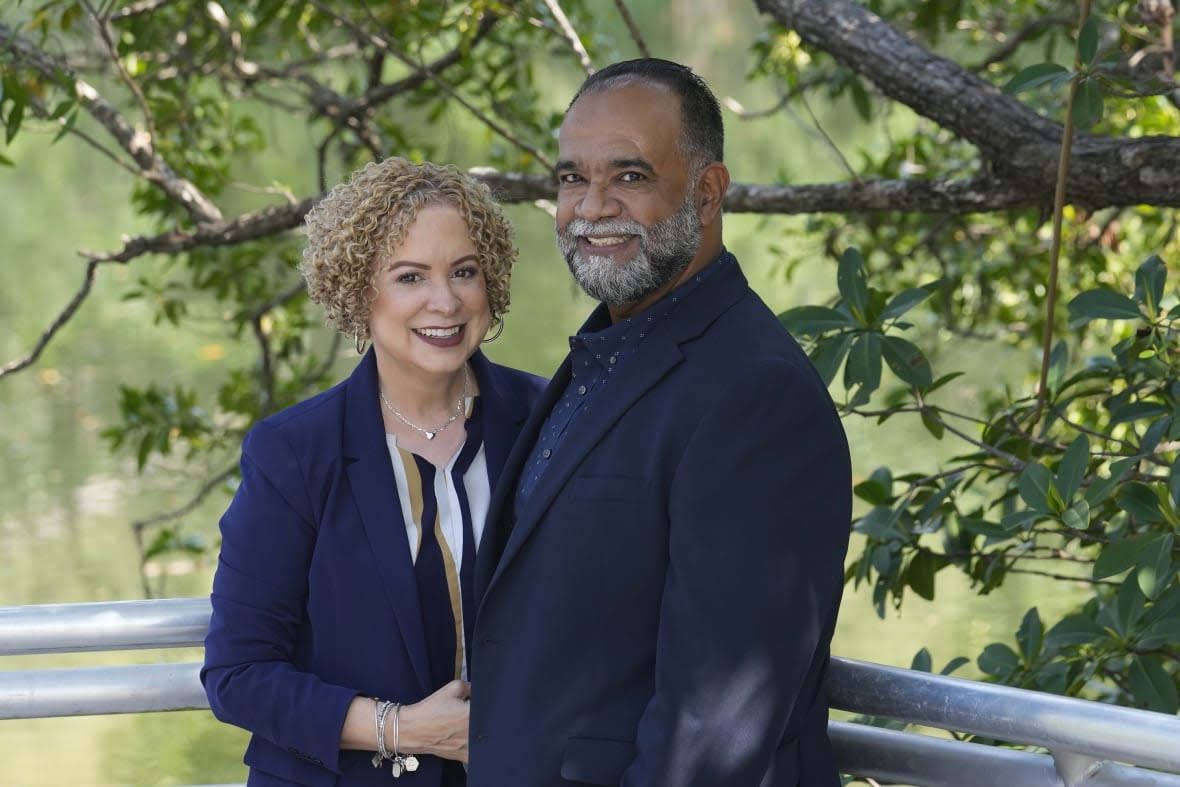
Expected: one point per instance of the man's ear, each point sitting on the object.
(712, 184)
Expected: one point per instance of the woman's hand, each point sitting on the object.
(436, 725)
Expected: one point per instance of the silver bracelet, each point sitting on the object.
(402, 763)
(381, 710)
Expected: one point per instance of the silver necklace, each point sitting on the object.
(430, 433)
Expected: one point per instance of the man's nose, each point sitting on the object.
(597, 203)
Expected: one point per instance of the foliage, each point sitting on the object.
(1076, 480)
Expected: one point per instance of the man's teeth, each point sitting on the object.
(613, 240)
(438, 333)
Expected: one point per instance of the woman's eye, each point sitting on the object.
(467, 272)
(408, 278)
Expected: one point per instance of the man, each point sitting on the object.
(660, 584)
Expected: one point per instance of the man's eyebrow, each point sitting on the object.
(620, 163)
(633, 163)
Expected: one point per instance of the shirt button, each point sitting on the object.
(547, 453)
(614, 359)
(581, 390)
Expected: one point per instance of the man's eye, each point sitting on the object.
(568, 178)
(631, 177)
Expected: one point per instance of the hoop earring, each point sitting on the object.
(359, 343)
(499, 330)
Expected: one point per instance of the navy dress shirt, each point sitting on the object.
(597, 353)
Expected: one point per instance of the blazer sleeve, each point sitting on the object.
(259, 595)
(759, 521)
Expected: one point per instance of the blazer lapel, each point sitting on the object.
(374, 488)
(503, 414)
(499, 520)
(650, 363)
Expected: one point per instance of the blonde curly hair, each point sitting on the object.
(361, 220)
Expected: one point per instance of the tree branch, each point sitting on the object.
(66, 314)
(1022, 146)
(135, 143)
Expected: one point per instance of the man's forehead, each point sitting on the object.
(621, 123)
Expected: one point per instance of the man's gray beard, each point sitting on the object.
(665, 249)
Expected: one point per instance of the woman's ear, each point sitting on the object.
(712, 184)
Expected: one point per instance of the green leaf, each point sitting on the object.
(904, 301)
(1150, 279)
(1077, 516)
(1121, 554)
(877, 489)
(1020, 520)
(1155, 567)
(66, 126)
(907, 361)
(812, 320)
(15, 115)
(1073, 467)
(828, 354)
(1088, 40)
(941, 381)
(1087, 104)
(982, 527)
(1104, 304)
(921, 571)
(1137, 411)
(1058, 364)
(1174, 482)
(861, 99)
(1072, 630)
(1128, 607)
(850, 278)
(954, 664)
(1101, 488)
(1165, 631)
(933, 425)
(864, 363)
(1030, 636)
(1140, 501)
(998, 660)
(1036, 483)
(880, 524)
(1034, 76)
(1152, 685)
(922, 661)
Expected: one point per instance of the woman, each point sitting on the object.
(342, 600)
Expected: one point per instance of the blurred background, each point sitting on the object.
(68, 502)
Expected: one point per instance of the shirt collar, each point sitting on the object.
(600, 339)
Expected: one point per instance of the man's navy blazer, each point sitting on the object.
(660, 613)
(314, 599)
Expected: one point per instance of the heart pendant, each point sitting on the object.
(430, 435)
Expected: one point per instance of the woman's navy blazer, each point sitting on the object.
(314, 599)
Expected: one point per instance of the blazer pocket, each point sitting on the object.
(610, 487)
(596, 760)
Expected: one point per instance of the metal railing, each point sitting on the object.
(1088, 744)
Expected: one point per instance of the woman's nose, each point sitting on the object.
(443, 298)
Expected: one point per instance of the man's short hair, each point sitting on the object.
(702, 132)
